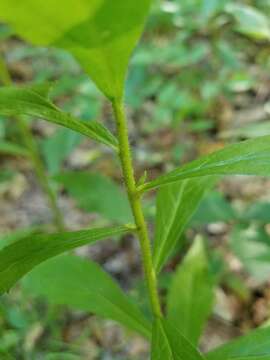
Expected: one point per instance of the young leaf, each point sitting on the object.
(169, 344)
(82, 284)
(251, 157)
(30, 101)
(97, 193)
(176, 203)
(20, 257)
(191, 296)
(255, 345)
(101, 34)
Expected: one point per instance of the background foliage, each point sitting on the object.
(199, 79)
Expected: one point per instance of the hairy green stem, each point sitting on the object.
(135, 202)
(37, 162)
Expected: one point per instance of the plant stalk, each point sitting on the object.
(135, 202)
(37, 162)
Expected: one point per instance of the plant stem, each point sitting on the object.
(135, 202)
(37, 162)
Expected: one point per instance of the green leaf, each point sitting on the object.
(258, 211)
(97, 193)
(176, 203)
(12, 149)
(6, 176)
(82, 284)
(252, 247)
(30, 101)
(255, 345)
(191, 294)
(251, 22)
(251, 157)
(214, 208)
(9, 238)
(61, 356)
(169, 344)
(101, 34)
(20, 257)
(57, 147)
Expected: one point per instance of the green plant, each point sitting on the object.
(103, 48)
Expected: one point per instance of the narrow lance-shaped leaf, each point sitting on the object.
(251, 157)
(101, 34)
(32, 101)
(169, 344)
(255, 345)
(176, 203)
(17, 235)
(20, 257)
(82, 284)
(191, 294)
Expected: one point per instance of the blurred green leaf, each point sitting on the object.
(4, 74)
(6, 356)
(259, 211)
(176, 204)
(240, 82)
(169, 344)
(201, 125)
(58, 147)
(97, 193)
(82, 284)
(20, 257)
(237, 285)
(88, 33)
(252, 246)
(191, 294)
(8, 340)
(214, 208)
(6, 176)
(33, 101)
(251, 157)
(251, 21)
(248, 131)
(211, 7)
(9, 148)
(61, 356)
(254, 346)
